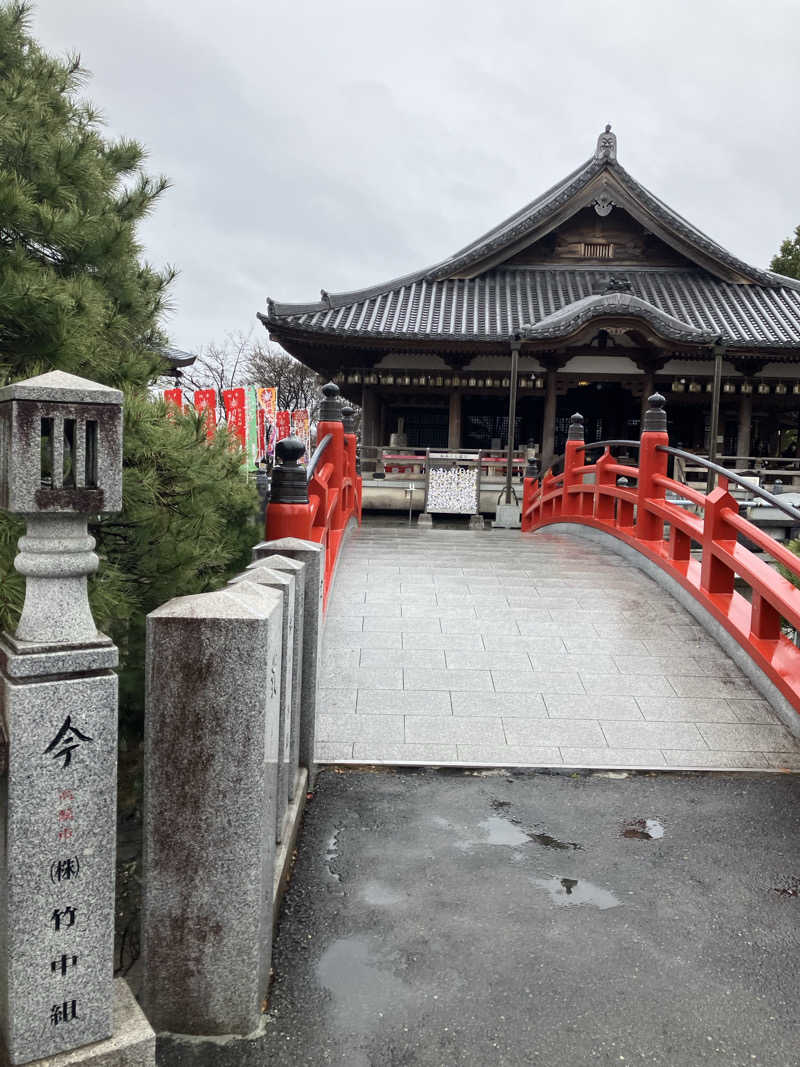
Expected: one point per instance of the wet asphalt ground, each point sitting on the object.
(452, 917)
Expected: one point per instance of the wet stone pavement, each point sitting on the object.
(494, 648)
(489, 917)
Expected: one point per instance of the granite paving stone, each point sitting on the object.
(360, 728)
(363, 678)
(508, 755)
(518, 705)
(690, 686)
(404, 702)
(571, 732)
(383, 639)
(538, 682)
(454, 681)
(591, 707)
(458, 729)
(330, 699)
(494, 660)
(783, 760)
(613, 757)
(334, 751)
(656, 735)
(744, 736)
(395, 752)
(712, 759)
(443, 642)
(627, 684)
(686, 709)
(403, 657)
(752, 711)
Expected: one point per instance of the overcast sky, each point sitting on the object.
(338, 144)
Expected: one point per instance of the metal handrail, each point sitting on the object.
(312, 463)
(732, 476)
(612, 444)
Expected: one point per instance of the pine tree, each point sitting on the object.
(76, 295)
(787, 260)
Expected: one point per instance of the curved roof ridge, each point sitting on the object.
(572, 316)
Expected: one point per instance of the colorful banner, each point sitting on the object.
(205, 401)
(173, 398)
(283, 424)
(267, 410)
(252, 428)
(301, 427)
(236, 413)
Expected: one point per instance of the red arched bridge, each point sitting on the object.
(634, 622)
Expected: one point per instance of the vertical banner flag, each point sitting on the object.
(205, 401)
(283, 423)
(267, 409)
(252, 428)
(236, 413)
(173, 398)
(301, 428)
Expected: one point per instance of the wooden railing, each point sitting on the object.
(630, 502)
(317, 502)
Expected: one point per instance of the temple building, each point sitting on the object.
(608, 293)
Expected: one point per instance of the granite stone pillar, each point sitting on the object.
(313, 555)
(294, 567)
(285, 584)
(60, 463)
(211, 774)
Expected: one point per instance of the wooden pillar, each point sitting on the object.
(454, 425)
(549, 420)
(648, 389)
(743, 432)
(370, 427)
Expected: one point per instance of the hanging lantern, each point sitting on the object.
(780, 389)
(695, 387)
(678, 385)
(506, 383)
(709, 387)
(796, 389)
(729, 387)
(439, 380)
(539, 383)
(456, 380)
(763, 388)
(472, 382)
(747, 387)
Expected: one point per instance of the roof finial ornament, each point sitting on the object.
(606, 144)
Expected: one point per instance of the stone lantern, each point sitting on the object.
(60, 464)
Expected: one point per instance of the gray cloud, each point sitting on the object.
(312, 144)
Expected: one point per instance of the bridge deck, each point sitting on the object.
(502, 649)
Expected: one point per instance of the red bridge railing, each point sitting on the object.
(629, 501)
(315, 503)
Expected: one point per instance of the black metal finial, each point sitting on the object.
(289, 484)
(532, 469)
(655, 418)
(330, 410)
(622, 481)
(348, 419)
(575, 427)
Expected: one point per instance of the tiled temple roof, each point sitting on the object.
(504, 300)
(475, 295)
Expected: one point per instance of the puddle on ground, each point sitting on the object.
(362, 991)
(569, 892)
(501, 831)
(331, 854)
(380, 896)
(791, 889)
(644, 829)
(552, 842)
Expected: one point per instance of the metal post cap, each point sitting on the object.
(575, 427)
(348, 419)
(289, 485)
(531, 469)
(330, 410)
(655, 418)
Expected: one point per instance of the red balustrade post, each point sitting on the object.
(650, 527)
(604, 502)
(716, 577)
(765, 621)
(353, 502)
(530, 485)
(573, 457)
(624, 508)
(330, 422)
(289, 513)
